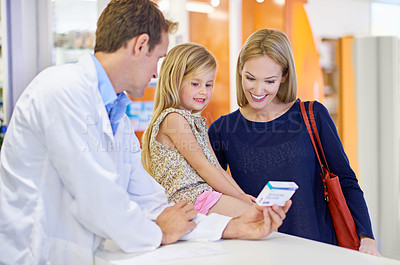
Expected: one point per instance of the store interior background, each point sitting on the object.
(347, 55)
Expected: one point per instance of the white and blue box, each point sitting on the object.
(276, 192)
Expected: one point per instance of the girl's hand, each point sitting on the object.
(367, 245)
(248, 198)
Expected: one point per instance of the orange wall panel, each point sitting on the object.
(257, 16)
(212, 31)
(292, 19)
(308, 69)
(347, 107)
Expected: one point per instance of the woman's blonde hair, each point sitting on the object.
(184, 61)
(275, 44)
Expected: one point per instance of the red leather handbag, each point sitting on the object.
(342, 219)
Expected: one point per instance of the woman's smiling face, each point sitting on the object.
(261, 78)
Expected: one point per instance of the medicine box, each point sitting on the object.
(276, 192)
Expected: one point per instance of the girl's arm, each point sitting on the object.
(226, 174)
(178, 130)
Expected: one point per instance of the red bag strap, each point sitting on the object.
(314, 127)
(310, 132)
(307, 122)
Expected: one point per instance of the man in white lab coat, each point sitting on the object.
(71, 172)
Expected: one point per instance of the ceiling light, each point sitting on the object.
(199, 7)
(215, 3)
(163, 5)
(279, 2)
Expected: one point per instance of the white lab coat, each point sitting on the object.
(67, 183)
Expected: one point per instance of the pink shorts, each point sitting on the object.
(206, 200)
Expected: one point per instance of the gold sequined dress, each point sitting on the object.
(170, 168)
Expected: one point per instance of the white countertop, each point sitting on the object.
(278, 248)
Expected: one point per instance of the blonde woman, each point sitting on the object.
(176, 149)
(266, 139)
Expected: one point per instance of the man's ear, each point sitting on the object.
(140, 44)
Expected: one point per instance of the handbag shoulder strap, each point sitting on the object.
(310, 131)
(319, 152)
(314, 127)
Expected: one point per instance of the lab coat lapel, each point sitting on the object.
(87, 63)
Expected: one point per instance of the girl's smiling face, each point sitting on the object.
(261, 78)
(196, 92)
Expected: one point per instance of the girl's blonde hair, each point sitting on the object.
(275, 44)
(184, 61)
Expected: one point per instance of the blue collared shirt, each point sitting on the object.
(115, 104)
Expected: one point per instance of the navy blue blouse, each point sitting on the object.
(281, 149)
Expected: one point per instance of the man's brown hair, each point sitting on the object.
(123, 20)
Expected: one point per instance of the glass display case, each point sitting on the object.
(327, 51)
(74, 26)
(2, 125)
(1, 69)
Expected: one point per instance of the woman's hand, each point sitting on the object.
(367, 245)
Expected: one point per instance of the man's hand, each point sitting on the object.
(175, 221)
(256, 222)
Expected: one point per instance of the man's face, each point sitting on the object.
(146, 68)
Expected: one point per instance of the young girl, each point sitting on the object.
(266, 139)
(176, 149)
